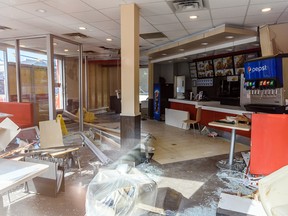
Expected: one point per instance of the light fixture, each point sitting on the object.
(55, 44)
(66, 50)
(22, 45)
(229, 37)
(204, 44)
(264, 10)
(164, 54)
(193, 17)
(108, 39)
(82, 28)
(181, 50)
(41, 10)
(185, 58)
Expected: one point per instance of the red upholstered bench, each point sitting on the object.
(23, 114)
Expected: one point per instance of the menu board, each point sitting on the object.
(193, 70)
(239, 64)
(205, 69)
(228, 66)
(218, 67)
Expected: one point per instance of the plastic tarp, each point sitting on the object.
(119, 191)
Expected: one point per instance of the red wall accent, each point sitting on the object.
(206, 116)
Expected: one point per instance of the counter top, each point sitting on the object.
(195, 103)
(214, 106)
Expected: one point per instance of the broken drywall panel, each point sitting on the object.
(8, 131)
(242, 205)
(50, 134)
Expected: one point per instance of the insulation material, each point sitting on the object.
(50, 134)
(8, 131)
(273, 192)
(115, 192)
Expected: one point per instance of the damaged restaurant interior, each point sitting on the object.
(143, 107)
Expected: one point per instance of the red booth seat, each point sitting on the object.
(23, 114)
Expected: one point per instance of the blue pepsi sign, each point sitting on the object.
(266, 68)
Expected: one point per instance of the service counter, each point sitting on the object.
(211, 111)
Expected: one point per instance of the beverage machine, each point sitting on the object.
(266, 84)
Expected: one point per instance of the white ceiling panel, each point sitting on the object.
(277, 7)
(283, 17)
(162, 19)
(152, 9)
(261, 19)
(228, 12)
(142, 1)
(114, 32)
(147, 29)
(174, 35)
(200, 24)
(227, 3)
(18, 2)
(63, 19)
(265, 1)
(194, 31)
(106, 25)
(102, 4)
(170, 27)
(233, 21)
(71, 6)
(90, 16)
(202, 15)
(33, 7)
(14, 13)
(112, 13)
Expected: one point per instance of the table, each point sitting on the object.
(14, 173)
(233, 127)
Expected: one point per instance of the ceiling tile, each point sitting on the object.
(33, 7)
(63, 19)
(114, 32)
(265, 1)
(174, 35)
(101, 4)
(113, 13)
(202, 15)
(283, 17)
(170, 27)
(90, 16)
(106, 25)
(261, 19)
(199, 24)
(232, 20)
(162, 19)
(193, 31)
(228, 12)
(17, 2)
(278, 7)
(15, 13)
(72, 6)
(142, 1)
(227, 3)
(147, 29)
(156, 8)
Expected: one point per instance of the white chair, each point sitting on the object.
(194, 121)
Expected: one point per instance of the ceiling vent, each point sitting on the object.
(153, 35)
(76, 35)
(186, 5)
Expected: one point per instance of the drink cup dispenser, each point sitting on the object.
(179, 87)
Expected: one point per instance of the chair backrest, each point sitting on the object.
(198, 114)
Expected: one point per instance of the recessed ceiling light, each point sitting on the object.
(193, 17)
(66, 50)
(229, 37)
(266, 10)
(55, 44)
(229, 49)
(185, 58)
(23, 46)
(41, 11)
(164, 54)
(181, 50)
(108, 39)
(204, 44)
(82, 28)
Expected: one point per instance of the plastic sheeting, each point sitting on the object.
(116, 192)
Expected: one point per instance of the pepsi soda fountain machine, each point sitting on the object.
(266, 80)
